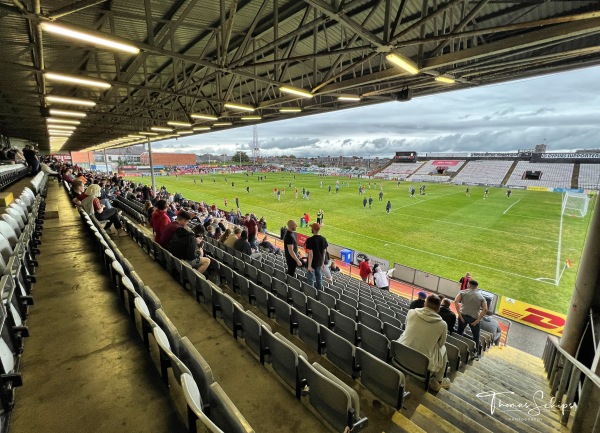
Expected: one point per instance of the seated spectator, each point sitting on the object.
(419, 302)
(91, 204)
(243, 245)
(187, 245)
(334, 267)
(167, 232)
(225, 235)
(380, 278)
(148, 209)
(489, 324)
(426, 332)
(77, 193)
(268, 245)
(448, 315)
(159, 219)
(231, 240)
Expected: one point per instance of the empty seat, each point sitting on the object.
(195, 406)
(383, 380)
(251, 330)
(391, 332)
(327, 299)
(197, 366)
(373, 342)
(336, 402)
(283, 357)
(283, 312)
(343, 326)
(308, 329)
(370, 321)
(319, 312)
(224, 413)
(339, 351)
(347, 309)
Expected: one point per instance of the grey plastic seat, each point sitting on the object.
(281, 289)
(251, 330)
(223, 307)
(199, 368)
(343, 326)
(299, 300)
(195, 404)
(391, 332)
(9, 233)
(6, 251)
(224, 413)
(319, 312)
(370, 321)
(335, 401)
(383, 380)
(17, 213)
(463, 347)
(385, 318)
(283, 357)
(13, 224)
(227, 273)
(453, 354)
(411, 362)
(243, 286)
(169, 328)
(327, 299)
(264, 280)
(144, 322)
(283, 312)
(339, 351)
(373, 342)
(262, 299)
(347, 309)
(170, 367)
(308, 329)
(294, 282)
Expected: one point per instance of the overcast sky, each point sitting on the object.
(561, 110)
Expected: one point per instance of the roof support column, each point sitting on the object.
(151, 167)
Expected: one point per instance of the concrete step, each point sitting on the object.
(522, 394)
(514, 377)
(401, 424)
(431, 421)
(468, 389)
(512, 353)
(458, 404)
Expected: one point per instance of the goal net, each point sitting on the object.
(575, 204)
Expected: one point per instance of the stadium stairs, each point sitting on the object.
(510, 172)
(575, 177)
(453, 175)
(380, 169)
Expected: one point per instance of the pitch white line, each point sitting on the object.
(558, 259)
(504, 213)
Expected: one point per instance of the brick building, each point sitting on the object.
(169, 159)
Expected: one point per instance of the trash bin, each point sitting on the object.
(302, 222)
(346, 256)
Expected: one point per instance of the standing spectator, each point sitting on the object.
(315, 246)
(252, 228)
(290, 248)
(419, 302)
(489, 324)
(32, 159)
(380, 278)
(471, 307)
(425, 332)
(448, 315)
(159, 219)
(464, 281)
(364, 269)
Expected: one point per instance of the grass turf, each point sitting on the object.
(508, 244)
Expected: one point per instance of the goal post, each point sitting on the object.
(575, 204)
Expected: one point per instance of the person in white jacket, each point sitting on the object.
(425, 332)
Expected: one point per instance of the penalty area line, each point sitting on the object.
(504, 213)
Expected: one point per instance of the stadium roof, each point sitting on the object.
(195, 56)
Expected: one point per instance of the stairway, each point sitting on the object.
(575, 176)
(509, 173)
(513, 375)
(454, 174)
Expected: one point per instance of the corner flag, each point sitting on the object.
(568, 264)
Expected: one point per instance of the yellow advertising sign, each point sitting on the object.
(537, 188)
(530, 315)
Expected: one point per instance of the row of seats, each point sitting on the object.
(337, 403)
(9, 174)
(589, 176)
(399, 169)
(363, 317)
(200, 400)
(486, 172)
(133, 208)
(20, 231)
(553, 175)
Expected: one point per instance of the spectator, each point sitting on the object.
(380, 278)
(425, 332)
(243, 246)
(315, 246)
(290, 248)
(225, 235)
(334, 267)
(464, 281)
(159, 219)
(489, 324)
(471, 307)
(187, 245)
(364, 270)
(268, 246)
(31, 157)
(148, 209)
(252, 227)
(167, 232)
(230, 241)
(448, 315)
(419, 302)
(91, 204)
(77, 193)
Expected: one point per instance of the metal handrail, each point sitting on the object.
(565, 374)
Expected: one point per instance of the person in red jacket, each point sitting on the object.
(364, 270)
(159, 219)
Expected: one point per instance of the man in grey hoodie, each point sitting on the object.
(425, 332)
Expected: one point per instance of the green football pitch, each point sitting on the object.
(513, 246)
